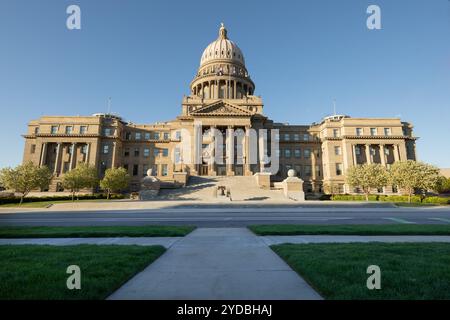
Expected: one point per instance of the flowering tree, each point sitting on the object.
(367, 177)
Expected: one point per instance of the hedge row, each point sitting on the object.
(391, 198)
(56, 198)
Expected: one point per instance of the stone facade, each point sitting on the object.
(222, 100)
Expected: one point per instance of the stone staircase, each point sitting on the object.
(243, 188)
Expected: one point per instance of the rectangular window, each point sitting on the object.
(147, 136)
(135, 169)
(287, 137)
(33, 148)
(297, 153)
(137, 136)
(177, 156)
(287, 153)
(127, 135)
(359, 131)
(125, 166)
(165, 152)
(84, 149)
(126, 152)
(144, 170)
(164, 170)
(296, 137)
(178, 135)
(358, 150)
(306, 137)
(307, 153)
(146, 152)
(337, 150)
(69, 129)
(107, 132)
(136, 152)
(387, 131)
(386, 151)
(339, 169)
(307, 169)
(298, 170)
(336, 133)
(83, 129)
(166, 136)
(156, 136)
(105, 149)
(36, 130)
(373, 131)
(156, 152)
(54, 130)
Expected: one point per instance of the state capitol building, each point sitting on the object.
(222, 99)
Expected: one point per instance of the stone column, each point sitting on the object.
(57, 160)
(313, 169)
(234, 89)
(355, 160)
(262, 141)
(230, 150)
(72, 155)
(114, 158)
(211, 162)
(43, 154)
(382, 155)
(247, 151)
(368, 156)
(396, 156)
(88, 147)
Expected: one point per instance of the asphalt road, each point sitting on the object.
(216, 216)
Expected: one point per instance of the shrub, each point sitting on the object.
(60, 198)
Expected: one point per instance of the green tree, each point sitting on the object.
(367, 177)
(443, 185)
(83, 176)
(25, 178)
(411, 175)
(115, 179)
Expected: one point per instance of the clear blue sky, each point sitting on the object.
(300, 54)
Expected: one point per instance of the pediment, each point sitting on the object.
(221, 108)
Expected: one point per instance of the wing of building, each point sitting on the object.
(222, 130)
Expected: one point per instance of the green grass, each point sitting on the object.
(97, 231)
(351, 229)
(39, 272)
(338, 271)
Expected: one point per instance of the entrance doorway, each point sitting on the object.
(204, 170)
(238, 170)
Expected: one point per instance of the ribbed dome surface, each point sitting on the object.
(221, 49)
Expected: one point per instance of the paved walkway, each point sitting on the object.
(270, 240)
(141, 241)
(222, 263)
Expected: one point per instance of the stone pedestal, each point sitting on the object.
(263, 180)
(293, 187)
(150, 186)
(180, 178)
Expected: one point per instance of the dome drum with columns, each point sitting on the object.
(222, 73)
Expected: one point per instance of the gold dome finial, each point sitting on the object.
(222, 31)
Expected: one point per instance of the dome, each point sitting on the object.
(222, 49)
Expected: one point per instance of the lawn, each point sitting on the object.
(95, 232)
(39, 272)
(351, 229)
(411, 271)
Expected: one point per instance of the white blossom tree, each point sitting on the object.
(367, 177)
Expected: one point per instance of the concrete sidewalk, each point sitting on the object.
(270, 240)
(140, 241)
(217, 263)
